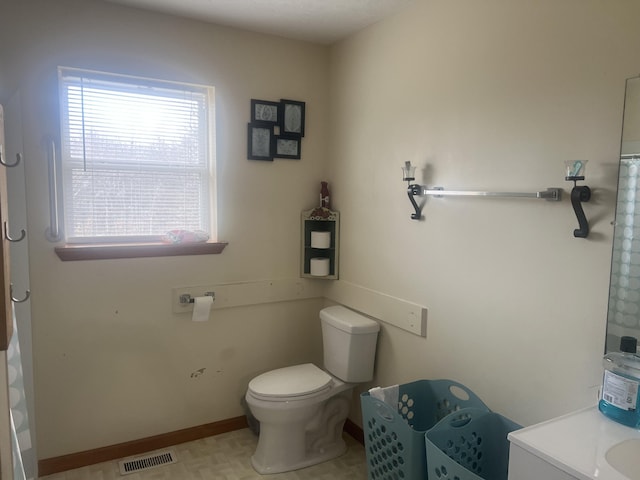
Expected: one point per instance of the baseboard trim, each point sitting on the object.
(49, 466)
(63, 463)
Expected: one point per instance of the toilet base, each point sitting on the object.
(309, 436)
(334, 451)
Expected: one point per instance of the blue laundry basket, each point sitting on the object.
(470, 444)
(395, 436)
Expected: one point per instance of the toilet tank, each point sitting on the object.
(349, 343)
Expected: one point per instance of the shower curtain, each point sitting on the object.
(23, 453)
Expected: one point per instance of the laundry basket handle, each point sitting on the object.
(458, 394)
(461, 418)
(459, 391)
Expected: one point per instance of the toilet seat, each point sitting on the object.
(296, 382)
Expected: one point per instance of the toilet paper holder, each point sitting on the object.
(186, 298)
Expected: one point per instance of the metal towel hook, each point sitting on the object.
(27, 294)
(23, 234)
(14, 164)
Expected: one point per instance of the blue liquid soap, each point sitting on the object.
(620, 399)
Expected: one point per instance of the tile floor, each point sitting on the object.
(225, 457)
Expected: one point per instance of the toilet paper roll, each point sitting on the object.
(319, 267)
(201, 308)
(320, 239)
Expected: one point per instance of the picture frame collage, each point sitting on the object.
(276, 130)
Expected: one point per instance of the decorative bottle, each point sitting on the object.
(620, 399)
(324, 195)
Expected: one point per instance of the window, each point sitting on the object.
(136, 158)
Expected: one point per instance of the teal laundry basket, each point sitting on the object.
(394, 436)
(470, 444)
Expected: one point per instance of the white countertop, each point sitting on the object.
(577, 443)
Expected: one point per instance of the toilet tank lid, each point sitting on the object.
(348, 321)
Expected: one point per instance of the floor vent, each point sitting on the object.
(146, 462)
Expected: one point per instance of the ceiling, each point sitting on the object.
(317, 21)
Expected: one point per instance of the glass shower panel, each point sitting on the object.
(624, 293)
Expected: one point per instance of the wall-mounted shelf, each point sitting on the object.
(320, 234)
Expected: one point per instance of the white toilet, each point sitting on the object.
(302, 409)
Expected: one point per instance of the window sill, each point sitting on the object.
(112, 251)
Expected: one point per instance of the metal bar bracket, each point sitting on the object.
(186, 298)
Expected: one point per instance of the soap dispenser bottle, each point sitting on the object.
(620, 399)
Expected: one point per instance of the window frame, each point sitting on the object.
(72, 252)
(83, 248)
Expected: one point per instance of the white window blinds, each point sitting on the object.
(135, 157)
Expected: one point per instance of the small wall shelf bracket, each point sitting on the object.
(580, 194)
(412, 191)
(574, 171)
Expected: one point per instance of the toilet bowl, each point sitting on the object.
(303, 426)
(302, 408)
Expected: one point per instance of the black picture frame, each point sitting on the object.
(287, 146)
(265, 111)
(260, 141)
(291, 117)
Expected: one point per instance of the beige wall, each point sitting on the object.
(480, 96)
(631, 131)
(488, 95)
(112, 362)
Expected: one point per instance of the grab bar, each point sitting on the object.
(552, 194)
(52, 233)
